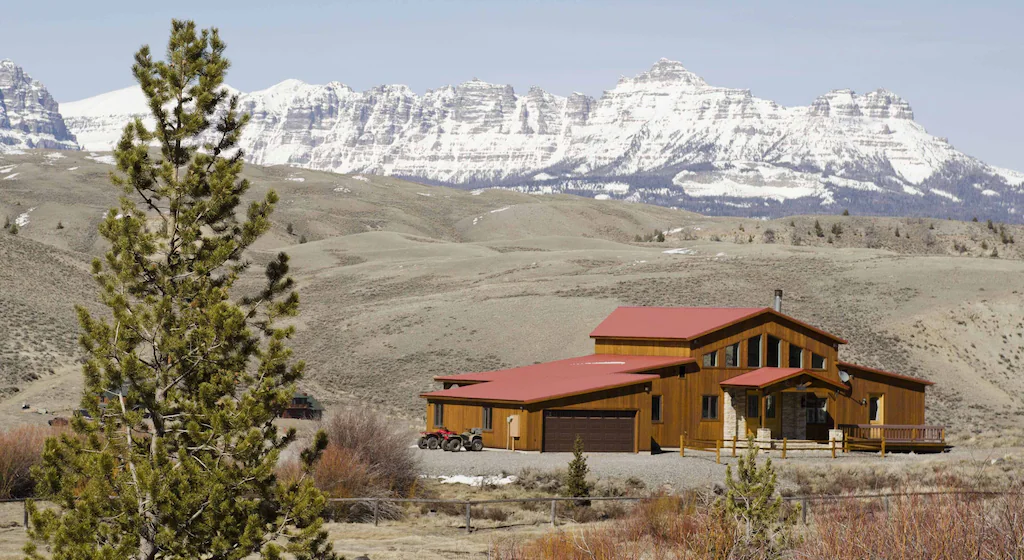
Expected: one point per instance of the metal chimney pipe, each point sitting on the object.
(778, 301)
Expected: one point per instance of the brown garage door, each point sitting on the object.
(601, 430)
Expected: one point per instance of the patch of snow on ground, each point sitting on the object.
(721, 255)
(476, 192)
(675, 230)
(945, 194)
(11, 176)
(296, 179)
(500, 210)
(602, 197)
(1015, 178)
(15, 152)
(477, 220)
(911, 190)
(107, 159)
(360, 178)
(342, 189)
(543, 177)
(72, 168)
(477, 480)
(22, 219)
(7, 169)
(680, 251)
(989, 192)
(424, 194)
(55, 155)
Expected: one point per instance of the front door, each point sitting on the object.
(818, 421)
(876, 413)
(773, 414)
(753, 412)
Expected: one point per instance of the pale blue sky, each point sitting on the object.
(960, 66)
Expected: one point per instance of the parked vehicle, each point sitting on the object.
(471, 440)
(433, 440)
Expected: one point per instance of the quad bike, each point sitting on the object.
(471, 440)
(433, 440)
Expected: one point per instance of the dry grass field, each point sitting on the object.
(401, 282)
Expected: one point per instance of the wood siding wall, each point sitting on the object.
(904, 400)
(640, 347)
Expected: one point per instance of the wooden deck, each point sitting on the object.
(894, 437)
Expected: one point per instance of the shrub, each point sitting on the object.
(366, 457)
(818, 231)
(60, 225)
(768, 236)
(846, 212)
(290, 229)
(20, 450)
(576, 485)
(13, 229)
(303, 240)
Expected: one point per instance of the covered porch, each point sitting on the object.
(781, 403)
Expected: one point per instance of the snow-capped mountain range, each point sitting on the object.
(664, 137)
(28, 114)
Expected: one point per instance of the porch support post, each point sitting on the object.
(764, 403)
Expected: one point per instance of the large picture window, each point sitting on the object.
(709, 407)
(711, 359)
(754, 351)
(796, 356)
(732, 355)
(774, 352)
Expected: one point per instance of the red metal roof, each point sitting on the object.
(843, 364)
(561, 378)
(763, 377)
(682, 323)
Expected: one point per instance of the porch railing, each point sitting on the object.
(895, 433)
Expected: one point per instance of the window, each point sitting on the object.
(817, 362)
(711, 359)
(753, 406)
(875, 409)
(817, 410)
(709, 407)
(438, 415)
(655, 408)
(796, 356)
(488, 421)
(774, 352)
(754, 351)
(732, 355)
(769, 406)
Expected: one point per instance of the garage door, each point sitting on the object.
(601, 430)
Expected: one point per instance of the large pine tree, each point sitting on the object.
(183, 379)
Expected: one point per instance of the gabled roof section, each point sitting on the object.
(768, 376)
(684, 323)
(848, 365)
(562, 378)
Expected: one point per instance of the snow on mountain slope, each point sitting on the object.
(28, 114)
(666, 134)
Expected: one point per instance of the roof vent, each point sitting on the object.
(777, 306)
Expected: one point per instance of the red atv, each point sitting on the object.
(433, 440)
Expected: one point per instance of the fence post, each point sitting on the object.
(553, 505)
(833, 449)
(846, 443)
(883, 447)
(376, 511)
(469, 515)
(718, 452)
(734, 446)
(784, 443)
(803, 510)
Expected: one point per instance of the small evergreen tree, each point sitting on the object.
(60, 225)
(931, 226)
(14, 228)
(990, 225)
(846, 212)
(837, 230)
(576, 485)
(181, 464)
(974, 219)
(290, 229)
(897, 231)
(303, 240)
(660, 237)
(751, 500)
(818, 230)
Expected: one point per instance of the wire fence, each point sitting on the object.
(804, 501)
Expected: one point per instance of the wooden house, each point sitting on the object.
(704, 373)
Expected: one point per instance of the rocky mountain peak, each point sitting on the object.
(29, 117)
(666, 72)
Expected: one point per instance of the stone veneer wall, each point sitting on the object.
(734, 413)
(794, 418)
